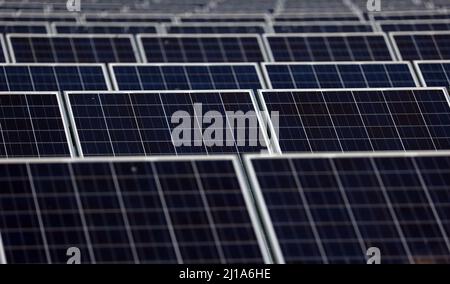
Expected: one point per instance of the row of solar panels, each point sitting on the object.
(145, 123)
(212, 6)
(297, 208)
(221, 28)
(225, 17)
(79, 48)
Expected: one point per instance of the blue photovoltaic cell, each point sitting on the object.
(132, 211)
(399, 26)
(36, 17)
(322, 28)
(106, 28)
(329, 47)
(73, 48)
(31, 125)
(209, 28)
(412, 16)
(422, 45)
(21, 27)
(206, 48)
(149, 123)
(331, 209)
(186, 76)
(52, 77)
(339, 75)
(434, 74)
(361, 120)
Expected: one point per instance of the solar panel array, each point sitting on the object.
(329, 47)
(339, 75)
(332, 208)
(143, 131)
(361, 120)
(128, 211)
(156, 123)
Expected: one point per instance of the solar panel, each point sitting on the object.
(360, 119)
(434, 73)
(128, 17)
(201, 48)
(316, 17)
(104, 28)
(222, 18)
(32, 125)
(187, 76)
(410, 15)
(313, 7)
(421, 45)
(328, 47)
(37, 17)
(321, 27)
(148, 123)
(24, 27)
(368, 74)
(3, 52)
(72, 48)
(413, 25)
(53, 77)
(153, 210)
(331, 208)
(215, 28)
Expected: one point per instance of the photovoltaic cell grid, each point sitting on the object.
(126, 18)
(331, 209)
(206, 76)
(330, 27)
(422, 45)
(223, 18)
(225, 28)
(328, 47)
(361, 120)
(434, 73)
(128, 211)
(316, 17)
(339, 75)
(31, 125)
(165, 123)
(104, 28)
(72, 48)
(52, 77)
(432, 15)
(201, 48)
(414, 25)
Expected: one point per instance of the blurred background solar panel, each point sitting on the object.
(104, 28)
(201, 48)
(332, 208)
(411, 15)
(223, 18)
(127, 17)
(329, 47)
(24, 27)
(73, 48)
(315, 17)
(142, 123)
(129, 211)
(435, 73)
(414, 25)
(37, 17)
(31, 125)
(361, 120)
(187, 76)
(215, 28)
(433, 45)
(339, 75)
(322, 27)
(52, 77)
